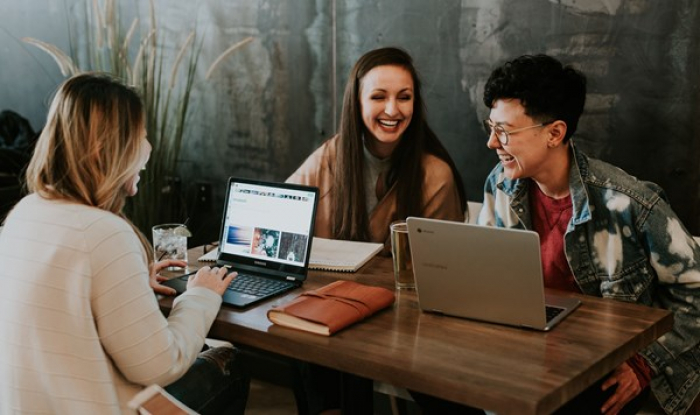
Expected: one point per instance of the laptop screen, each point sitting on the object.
(268, 225)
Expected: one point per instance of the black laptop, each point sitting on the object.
(266, 234)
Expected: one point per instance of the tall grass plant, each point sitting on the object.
(137, 55)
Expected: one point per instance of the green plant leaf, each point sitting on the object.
(106, 49)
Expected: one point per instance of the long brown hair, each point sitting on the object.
(90, 146)
(406, 171)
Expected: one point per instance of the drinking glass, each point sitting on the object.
(401, 254)
(170, 242)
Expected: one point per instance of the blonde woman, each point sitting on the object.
(80, 329)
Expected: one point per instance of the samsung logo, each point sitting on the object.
(434, 265)
(260, 263)
(421, 230)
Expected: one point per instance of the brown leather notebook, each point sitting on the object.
(332, 307)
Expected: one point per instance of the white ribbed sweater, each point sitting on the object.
(80, 328)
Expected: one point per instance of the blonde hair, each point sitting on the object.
(90, 147)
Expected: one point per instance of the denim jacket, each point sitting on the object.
(624, 242)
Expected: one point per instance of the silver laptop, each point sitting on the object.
(266, 234)
(483, 273)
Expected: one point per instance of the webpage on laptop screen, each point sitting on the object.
(268, 222)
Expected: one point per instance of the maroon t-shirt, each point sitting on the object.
(549, 219)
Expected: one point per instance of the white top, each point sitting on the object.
(80, 328)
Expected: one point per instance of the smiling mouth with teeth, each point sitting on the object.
(389, 123)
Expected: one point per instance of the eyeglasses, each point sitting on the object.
(503, 135)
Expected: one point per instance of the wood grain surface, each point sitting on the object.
(499, 368)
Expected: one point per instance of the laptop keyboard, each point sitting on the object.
(552, 312)
(257, 286)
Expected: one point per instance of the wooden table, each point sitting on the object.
(502, 369)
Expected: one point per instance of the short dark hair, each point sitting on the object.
(547, 89)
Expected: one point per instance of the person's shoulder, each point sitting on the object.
(89, 219)
(66, 212)
(70, 221)
(322, 154)
(609, 177)
(436, 168)
(315, 165)
(326, 148)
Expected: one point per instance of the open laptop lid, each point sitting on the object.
(267, 228)
(481, 272)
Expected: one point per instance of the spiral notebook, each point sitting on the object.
(331, 254)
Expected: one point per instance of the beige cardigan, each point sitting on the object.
(80, 328)
(440, 194)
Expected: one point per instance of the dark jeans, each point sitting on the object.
(215, 384)
(321, 387)
(327, 388)
(587, 402)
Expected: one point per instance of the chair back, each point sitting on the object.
(473, 209)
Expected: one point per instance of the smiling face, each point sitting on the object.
(386, 100)
(526, 155)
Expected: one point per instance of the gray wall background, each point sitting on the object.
(275, 101)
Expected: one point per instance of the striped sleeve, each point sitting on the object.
(144, 345)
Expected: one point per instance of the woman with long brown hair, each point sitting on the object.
(385, 163)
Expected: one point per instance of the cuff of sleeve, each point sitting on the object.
(202, 294)
(641, 369)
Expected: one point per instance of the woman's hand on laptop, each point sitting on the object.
(155, 278)
(213, 278)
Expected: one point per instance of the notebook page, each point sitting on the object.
(337, 255)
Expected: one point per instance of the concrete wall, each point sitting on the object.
(271, 104)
